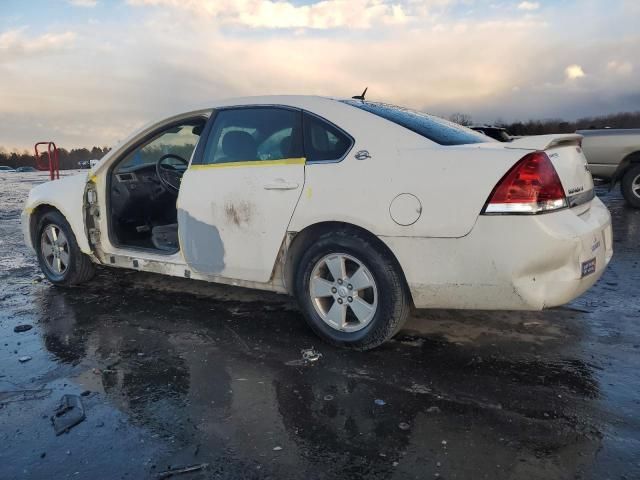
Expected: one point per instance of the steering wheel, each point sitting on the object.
(169, 175)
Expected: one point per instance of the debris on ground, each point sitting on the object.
(310, 355)
(180, 470)
(433, 409)
(97, 371)
(24, 359)
(22, 328)
(277, 449)
(328, 398)
(23, 395)
(404, 426)
(379, 402)
(69, 413)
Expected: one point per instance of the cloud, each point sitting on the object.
(83, 3)
(15, 44)
(178, 55)
(620, 68)
(574, 72)
(528, 6)
(324, 14)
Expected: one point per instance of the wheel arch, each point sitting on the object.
(631, 159)
(299, 241)
(35, 213)
(34, 218)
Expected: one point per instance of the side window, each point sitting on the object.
(323, 141)
(179, 140)
(254, 134)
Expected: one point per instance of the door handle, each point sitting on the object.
(281, 186)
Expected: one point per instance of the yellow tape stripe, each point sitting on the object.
(253, 163)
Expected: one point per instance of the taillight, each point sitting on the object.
(531, 186)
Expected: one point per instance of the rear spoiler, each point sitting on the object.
(544, 142)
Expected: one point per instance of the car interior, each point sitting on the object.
(144, 185)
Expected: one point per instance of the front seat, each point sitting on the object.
(238, 146)
(165, 237)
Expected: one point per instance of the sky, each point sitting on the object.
(89, 72)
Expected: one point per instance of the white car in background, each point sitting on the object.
(361, 210)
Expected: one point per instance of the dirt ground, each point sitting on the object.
(176, 373)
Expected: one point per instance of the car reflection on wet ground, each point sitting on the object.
(179, 373)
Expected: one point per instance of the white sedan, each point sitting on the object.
(361, 210)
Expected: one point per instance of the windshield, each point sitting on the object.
(178, 140)
(435, 129)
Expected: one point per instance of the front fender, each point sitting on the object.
(65, 195)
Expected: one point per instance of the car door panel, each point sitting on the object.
(233, 215)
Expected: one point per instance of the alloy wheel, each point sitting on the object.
(635, 186)
(54, 246)
(343, 292)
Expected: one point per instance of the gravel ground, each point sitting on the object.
(177, 373)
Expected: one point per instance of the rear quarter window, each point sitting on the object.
(434, 128)
(324, 141)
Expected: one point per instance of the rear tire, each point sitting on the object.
(371, 291)
(630, 186)
(59, 256)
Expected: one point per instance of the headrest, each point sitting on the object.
(239, 145)
(285, 146)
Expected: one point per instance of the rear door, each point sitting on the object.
(238, 195)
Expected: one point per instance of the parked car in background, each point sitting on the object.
(4, 168)
(361, 210)
(614, 155)
(25, 169)
(84, 164)
(497, 133)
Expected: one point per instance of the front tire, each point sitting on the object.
(351, 290)
(630, 186)
(59, 256)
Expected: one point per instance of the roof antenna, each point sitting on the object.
(361, 97)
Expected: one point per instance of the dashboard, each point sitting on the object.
(135, 192)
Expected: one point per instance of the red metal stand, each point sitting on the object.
(53, 160)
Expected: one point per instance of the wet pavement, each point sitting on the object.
(178, 373)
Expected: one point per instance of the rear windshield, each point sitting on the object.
(435, 129)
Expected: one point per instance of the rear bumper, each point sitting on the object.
(509, 262)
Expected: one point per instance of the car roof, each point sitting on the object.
(304, 102)
(270, 99)
(299, 101)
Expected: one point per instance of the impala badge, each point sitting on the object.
(362, 155)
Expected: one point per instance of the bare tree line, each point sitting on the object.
(68, 158)
(557, 125)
